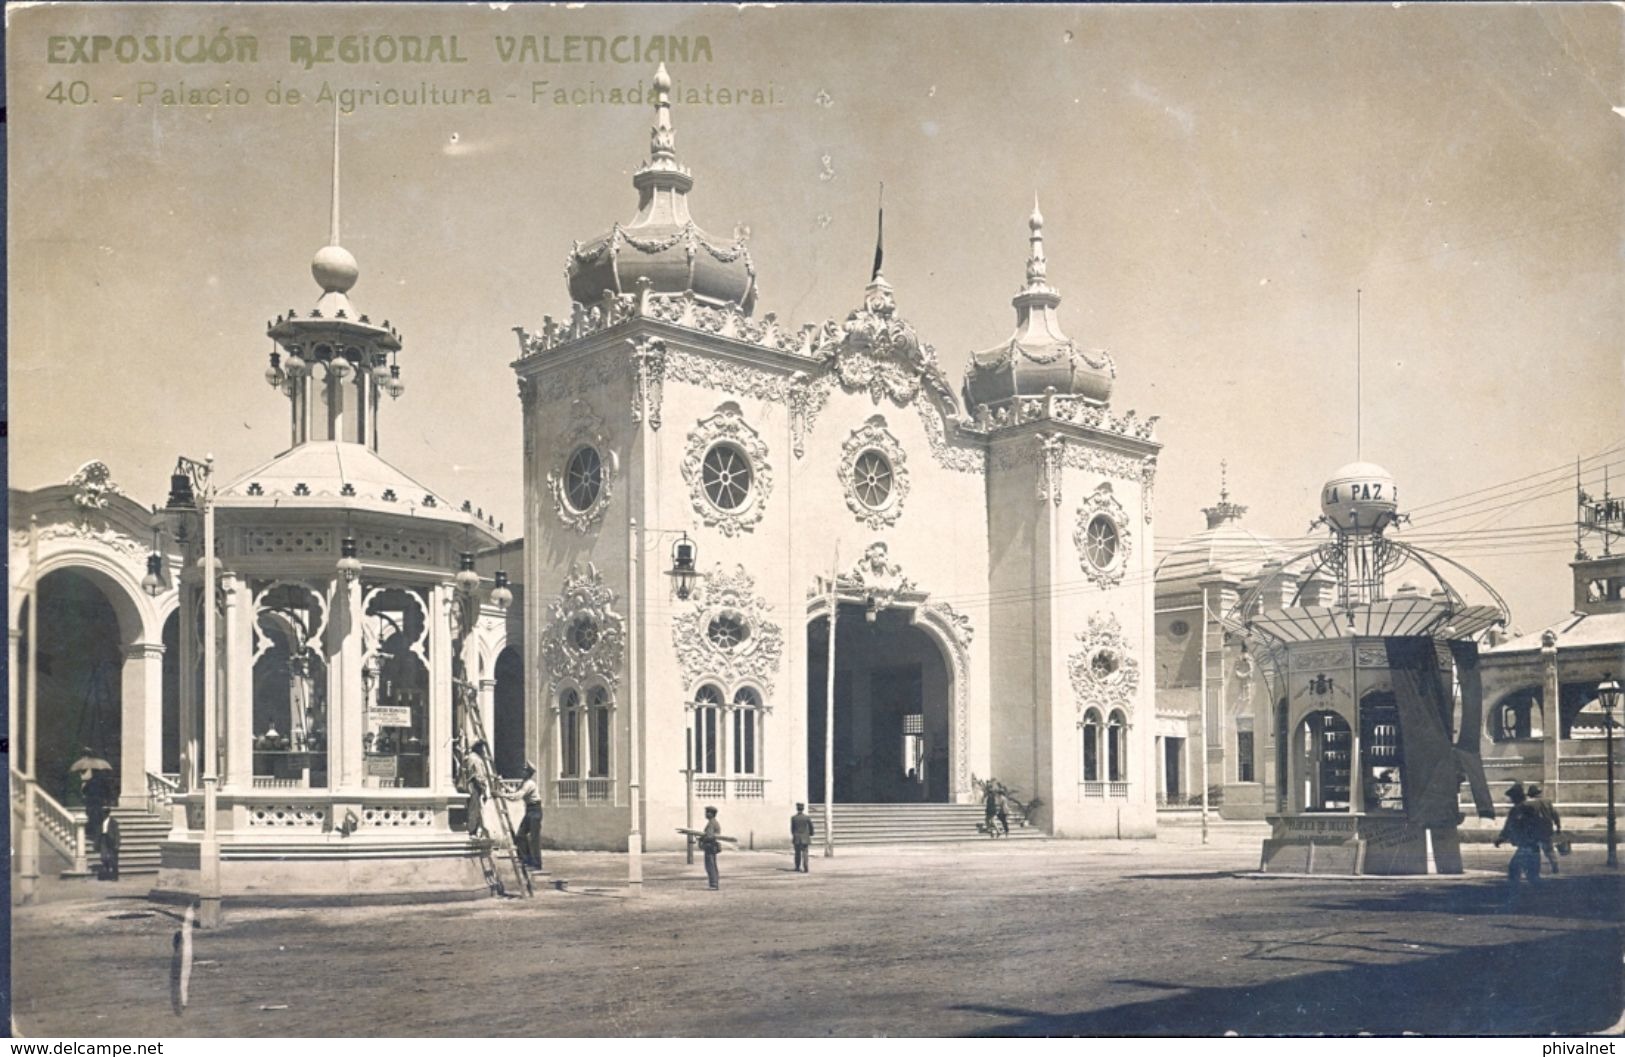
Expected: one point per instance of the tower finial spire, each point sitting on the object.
(662, 142)
(1224, 483)
(333, 224)
(1037, 266)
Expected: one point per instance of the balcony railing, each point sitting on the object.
(1117, 789)
(750, 788)
(719, 787)
(583, 791)
(1092, 789)
(710, 787)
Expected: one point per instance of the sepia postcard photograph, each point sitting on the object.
(824, 520)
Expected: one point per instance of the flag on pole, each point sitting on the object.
(880, 234)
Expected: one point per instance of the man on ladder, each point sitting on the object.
(528, 842)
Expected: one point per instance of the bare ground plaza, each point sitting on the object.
(1154, 937)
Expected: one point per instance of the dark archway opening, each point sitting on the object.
(81, 701)
(892, 694)
(508, 718)
(171, 730)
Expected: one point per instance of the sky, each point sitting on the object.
(1217, 182)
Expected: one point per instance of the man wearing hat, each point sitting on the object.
(710, 844)
(1527, 830)
(801, 835)
(1549, 815)
(529, 837)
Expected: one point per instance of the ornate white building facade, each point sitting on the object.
(991, 555)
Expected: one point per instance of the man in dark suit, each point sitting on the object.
(801, 835)
(711, 845)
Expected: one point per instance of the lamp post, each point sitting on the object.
(1608, 698)
(191, 492)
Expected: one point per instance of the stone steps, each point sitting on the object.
(914, 823)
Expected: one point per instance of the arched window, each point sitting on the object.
(1091, 746)
(1116, 748)
(570, 733)
(706, 730)
(1517, 717)
(747, 732)
(598, 732)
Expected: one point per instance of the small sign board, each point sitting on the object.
(391, 716)
(382, 767)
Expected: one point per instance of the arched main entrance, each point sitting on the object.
(80, 693)
(893, 727)
(508, 713)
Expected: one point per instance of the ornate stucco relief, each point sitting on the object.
(728, 426)
(584, 429)
(1104, 672)
(873, 436)
(1102, 503)
(583, 638)
(730, 659)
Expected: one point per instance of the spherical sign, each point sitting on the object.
(1360, 496)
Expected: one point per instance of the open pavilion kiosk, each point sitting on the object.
(1376, 696)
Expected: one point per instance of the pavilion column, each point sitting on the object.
(238, 663)
(1551, 719)
(14, 657)
(488, 710)
(442, 597)
(346, 708)
(142, 718)
(188, 690)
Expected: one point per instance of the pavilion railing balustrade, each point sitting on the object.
(750, 788)
(1117, 789)
(1092, 789)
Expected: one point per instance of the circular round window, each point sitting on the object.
(583, 634)
(725, 475)
(1179, 629)
(1100, 542)
(583, 478)
(726, 631)
(1103, 664)
(872, 479)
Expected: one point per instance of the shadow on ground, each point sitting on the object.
(1482, 990)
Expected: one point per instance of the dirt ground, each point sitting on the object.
(1163, 937)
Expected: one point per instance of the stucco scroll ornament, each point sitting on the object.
(727, 426)
(728, 634)
(585, 430)
(583, 637)
(877, 502)
(1148, 481)
(93, 486)
(955, 627)
(1051, 454)
(1103, 552)
(877, 577)
(1104, 673)
(648, 379)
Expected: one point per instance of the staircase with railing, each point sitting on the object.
(62, 828)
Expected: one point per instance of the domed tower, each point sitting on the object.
(662, 244)
(339, 363)
(1038, 356)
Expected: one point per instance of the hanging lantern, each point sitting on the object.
(501, 594)
(380, 372)
(181, 498)
(339, 368)
(153, 582)
(275, 376)
(348, 564)
(467, 579)
(395, 385)
(296, 364)
(684, 556)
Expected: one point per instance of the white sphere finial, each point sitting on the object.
(1360, 497)
(335, 269)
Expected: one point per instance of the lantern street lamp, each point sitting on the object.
(467, 580)
(348, 564)
(684, 556)
(275, 376)
(153, 582)
(1608, 698)
(501, 594)
(191, 493)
